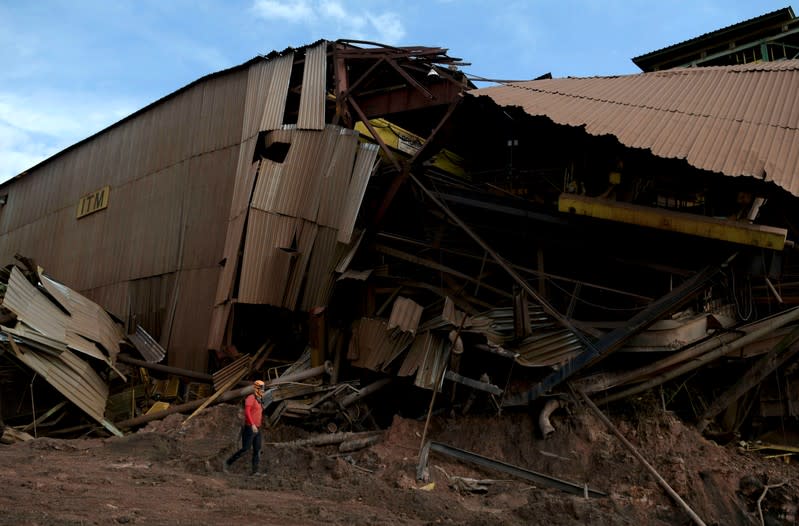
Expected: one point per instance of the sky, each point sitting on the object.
(70, 68)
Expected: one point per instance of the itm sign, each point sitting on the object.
(93, 202)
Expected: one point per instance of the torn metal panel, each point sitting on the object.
(36, 340)
(268, 256)
(306, 242)
(426, 358)
(293, 187)
(71, 376)
(314, 88)
(352, 249)
(547, 349)
(246, 174)
(149, 349)
(320, 278)
(365, 161)
(273, 89)
(372, 346)
(86, 318)
(405, 314)
(692, 224)
(336, 179)
(33, 308)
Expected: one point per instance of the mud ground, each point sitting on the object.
(170, 473)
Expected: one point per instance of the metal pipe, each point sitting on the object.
(775, 323)
(366, 391)
(166, 369)
(543, 418)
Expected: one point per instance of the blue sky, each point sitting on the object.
(70, 68)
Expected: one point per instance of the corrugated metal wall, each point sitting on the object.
(171, 170)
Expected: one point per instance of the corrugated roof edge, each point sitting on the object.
(785, 12)
(254, 60)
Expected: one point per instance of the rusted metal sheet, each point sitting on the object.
(271, 91)
(32, 308)
(306, 241)
(373, 347)
(335, 181)
(149, 349)
(544, 349)
(267, 259)
(86, 318)
(320, 277)
(71, 376)
(314, 88)
(405, 314)
(188, 336)
(294, 186)
(365, 161)
(695, 114)
(151, 303)
(246, 174)
(426, 359)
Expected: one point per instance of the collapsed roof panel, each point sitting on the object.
(715, 118)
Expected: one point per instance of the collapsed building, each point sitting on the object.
(364, 219)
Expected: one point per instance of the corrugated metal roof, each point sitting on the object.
(735, 120)
(779, 15)
(314, 87)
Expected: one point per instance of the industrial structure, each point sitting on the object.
(363, 212)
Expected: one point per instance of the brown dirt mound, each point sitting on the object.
(168, 472)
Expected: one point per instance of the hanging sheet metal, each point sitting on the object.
(373, 347)
(314, 85)
(405, 314)
(365, 162)
(273, 87)
(426, 359)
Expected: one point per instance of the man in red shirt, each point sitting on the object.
(250, 430)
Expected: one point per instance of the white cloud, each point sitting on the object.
(334, 15)
(289, 10)
(35, 126)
